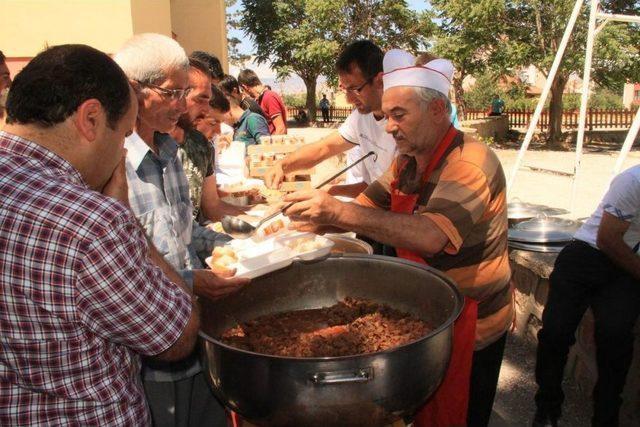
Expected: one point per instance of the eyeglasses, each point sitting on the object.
(174, 94)
(356, 90)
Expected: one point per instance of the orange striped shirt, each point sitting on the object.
(466, 198)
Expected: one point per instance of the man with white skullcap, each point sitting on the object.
(443, 203)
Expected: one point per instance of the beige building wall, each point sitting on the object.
(28, 26)
(151, 16)
(201, 25)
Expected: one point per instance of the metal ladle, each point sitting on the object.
(241, 229)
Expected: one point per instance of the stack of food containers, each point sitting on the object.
(270, 150)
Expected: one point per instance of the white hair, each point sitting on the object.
(150, 57)
(427, 95)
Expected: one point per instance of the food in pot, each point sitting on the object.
(350, 327)
(223, 259)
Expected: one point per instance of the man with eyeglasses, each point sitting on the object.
(359, 68)
(157, 68)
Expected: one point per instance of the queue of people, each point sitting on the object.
(107, 178)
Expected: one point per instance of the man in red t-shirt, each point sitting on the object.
(270, 102)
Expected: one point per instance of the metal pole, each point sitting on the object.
(628, 142)
(586, 79)
(620, 18)
(545, 91)
(602, 25)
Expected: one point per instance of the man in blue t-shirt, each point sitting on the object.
(248, 126)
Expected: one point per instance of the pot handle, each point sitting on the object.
(341, 377)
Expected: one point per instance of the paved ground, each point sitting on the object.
(553, 189)
(514, 404)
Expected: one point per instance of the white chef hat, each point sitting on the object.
(400, 69)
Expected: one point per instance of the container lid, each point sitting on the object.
(537, 247)
(544, 229)
(518, 210)
(548, 224)
(522, 212)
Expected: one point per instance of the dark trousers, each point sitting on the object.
(584, 277)
(325, 114)
(184, 403)
(484, 381)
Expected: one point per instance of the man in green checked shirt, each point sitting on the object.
(196, 152)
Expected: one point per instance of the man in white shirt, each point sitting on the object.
(600, 269)
(359, 68)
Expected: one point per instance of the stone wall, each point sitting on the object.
(488, 127)
(531, 275)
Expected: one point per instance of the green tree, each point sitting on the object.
(233, 43)
(468, 34)
(533, 30)
(304, 37)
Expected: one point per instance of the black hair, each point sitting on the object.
(228, 84)
(218, 100)
(200, 66)
(363, 53)
(52, 86)
(249, 78)
(215, 67)
(2, 57)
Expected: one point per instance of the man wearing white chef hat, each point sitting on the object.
(443, 203)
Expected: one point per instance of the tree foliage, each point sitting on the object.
(233, 43)
(468, 34)
(534, 37)
(502, 36)
(304, 37)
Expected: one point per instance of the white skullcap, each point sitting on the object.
(400, 69)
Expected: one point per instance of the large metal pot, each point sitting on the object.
(348, 245)
(362, 390)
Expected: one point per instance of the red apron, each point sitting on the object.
(448, 405)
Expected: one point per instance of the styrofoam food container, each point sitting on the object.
(261, 265)
(259, 258)
(260, 253)
(322, 251)
(264, 264)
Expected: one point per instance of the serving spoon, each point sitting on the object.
(241, 229)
